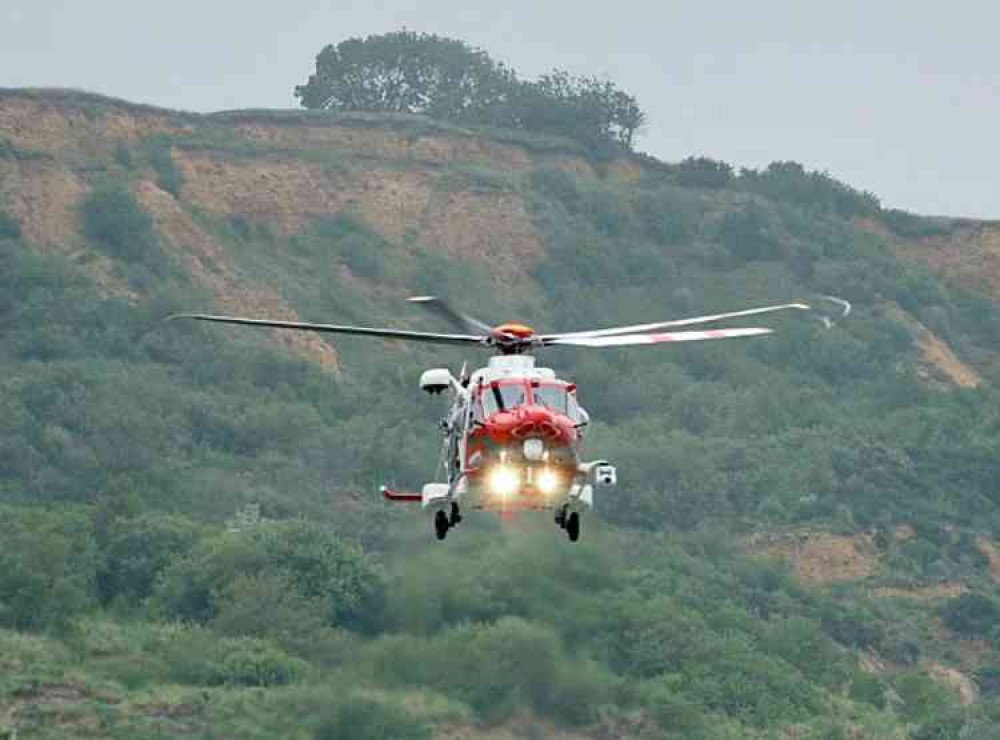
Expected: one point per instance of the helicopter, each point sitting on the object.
(513, 431)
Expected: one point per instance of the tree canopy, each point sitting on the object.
(418, 73)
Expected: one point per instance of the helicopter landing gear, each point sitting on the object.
(570, 521)
(441, 524)
(573, 527)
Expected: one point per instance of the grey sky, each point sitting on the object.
(900, 97)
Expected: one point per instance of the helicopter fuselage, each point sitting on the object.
(513, 438)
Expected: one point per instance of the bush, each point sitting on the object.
(114, 221)
(923, 698)
(168, 177)
(497, 669)
(134, 552)
(47, 569)
(971, 614)
(194, 655)
(668, 215)
(911, 226)
(675, 714)
(360, 718)
(267, 604)
(748, 234)
(558, 185)
(303, 561)
(361, 248)
(791, 183)
(702, 172)
(247, 662)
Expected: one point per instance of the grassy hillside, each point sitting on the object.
(803, 541)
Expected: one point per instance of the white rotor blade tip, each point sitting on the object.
(840, 302)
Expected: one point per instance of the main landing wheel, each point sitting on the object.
(441, 525)
(573, 527)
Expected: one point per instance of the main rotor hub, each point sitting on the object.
(512, 329)
(512, 338)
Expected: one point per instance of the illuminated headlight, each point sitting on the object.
(504, 480)
(548, 482)
(533, 449)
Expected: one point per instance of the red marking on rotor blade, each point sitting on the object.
(662, 337)
(715, 334)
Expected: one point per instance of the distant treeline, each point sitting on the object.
(408, 72)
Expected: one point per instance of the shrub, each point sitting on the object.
(359, 246)
(168, 177)
(748, 234)
(304, 562)
(135, 551)
(668, 215)
(609, 211)
(47, 569)
(360, 718)
(267, 604)
(971, 614)
(114, 220)
(867, 688)
(924, 699)
(702, 172)
(674, 713)
(911, 226)
(559, 185)
(195, 655)
(246, 662)
(790, 182)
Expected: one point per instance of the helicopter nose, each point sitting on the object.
(536, 421)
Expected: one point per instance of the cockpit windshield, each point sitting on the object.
(551, 397)
(502, 396)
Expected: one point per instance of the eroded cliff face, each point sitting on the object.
(408, 178)
(282, 170)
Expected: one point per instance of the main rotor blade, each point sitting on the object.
(656, 326)
(443, 309)
(625, 340)
(416, 336)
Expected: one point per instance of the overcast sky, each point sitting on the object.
(900, 97)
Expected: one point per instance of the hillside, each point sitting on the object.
(805, 540)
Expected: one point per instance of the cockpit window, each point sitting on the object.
(512, 395)
(504, 395)
(573, 408)
(551, 397)
(487, 402)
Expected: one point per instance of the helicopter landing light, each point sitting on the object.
(504, 480)
(548, 482)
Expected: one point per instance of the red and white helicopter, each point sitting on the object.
(513, 431)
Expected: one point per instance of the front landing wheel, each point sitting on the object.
(441, 525)
(573, 526)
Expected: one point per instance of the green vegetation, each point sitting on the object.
(115, 222)
(168, 177)
(408, 72)
(193, 546)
